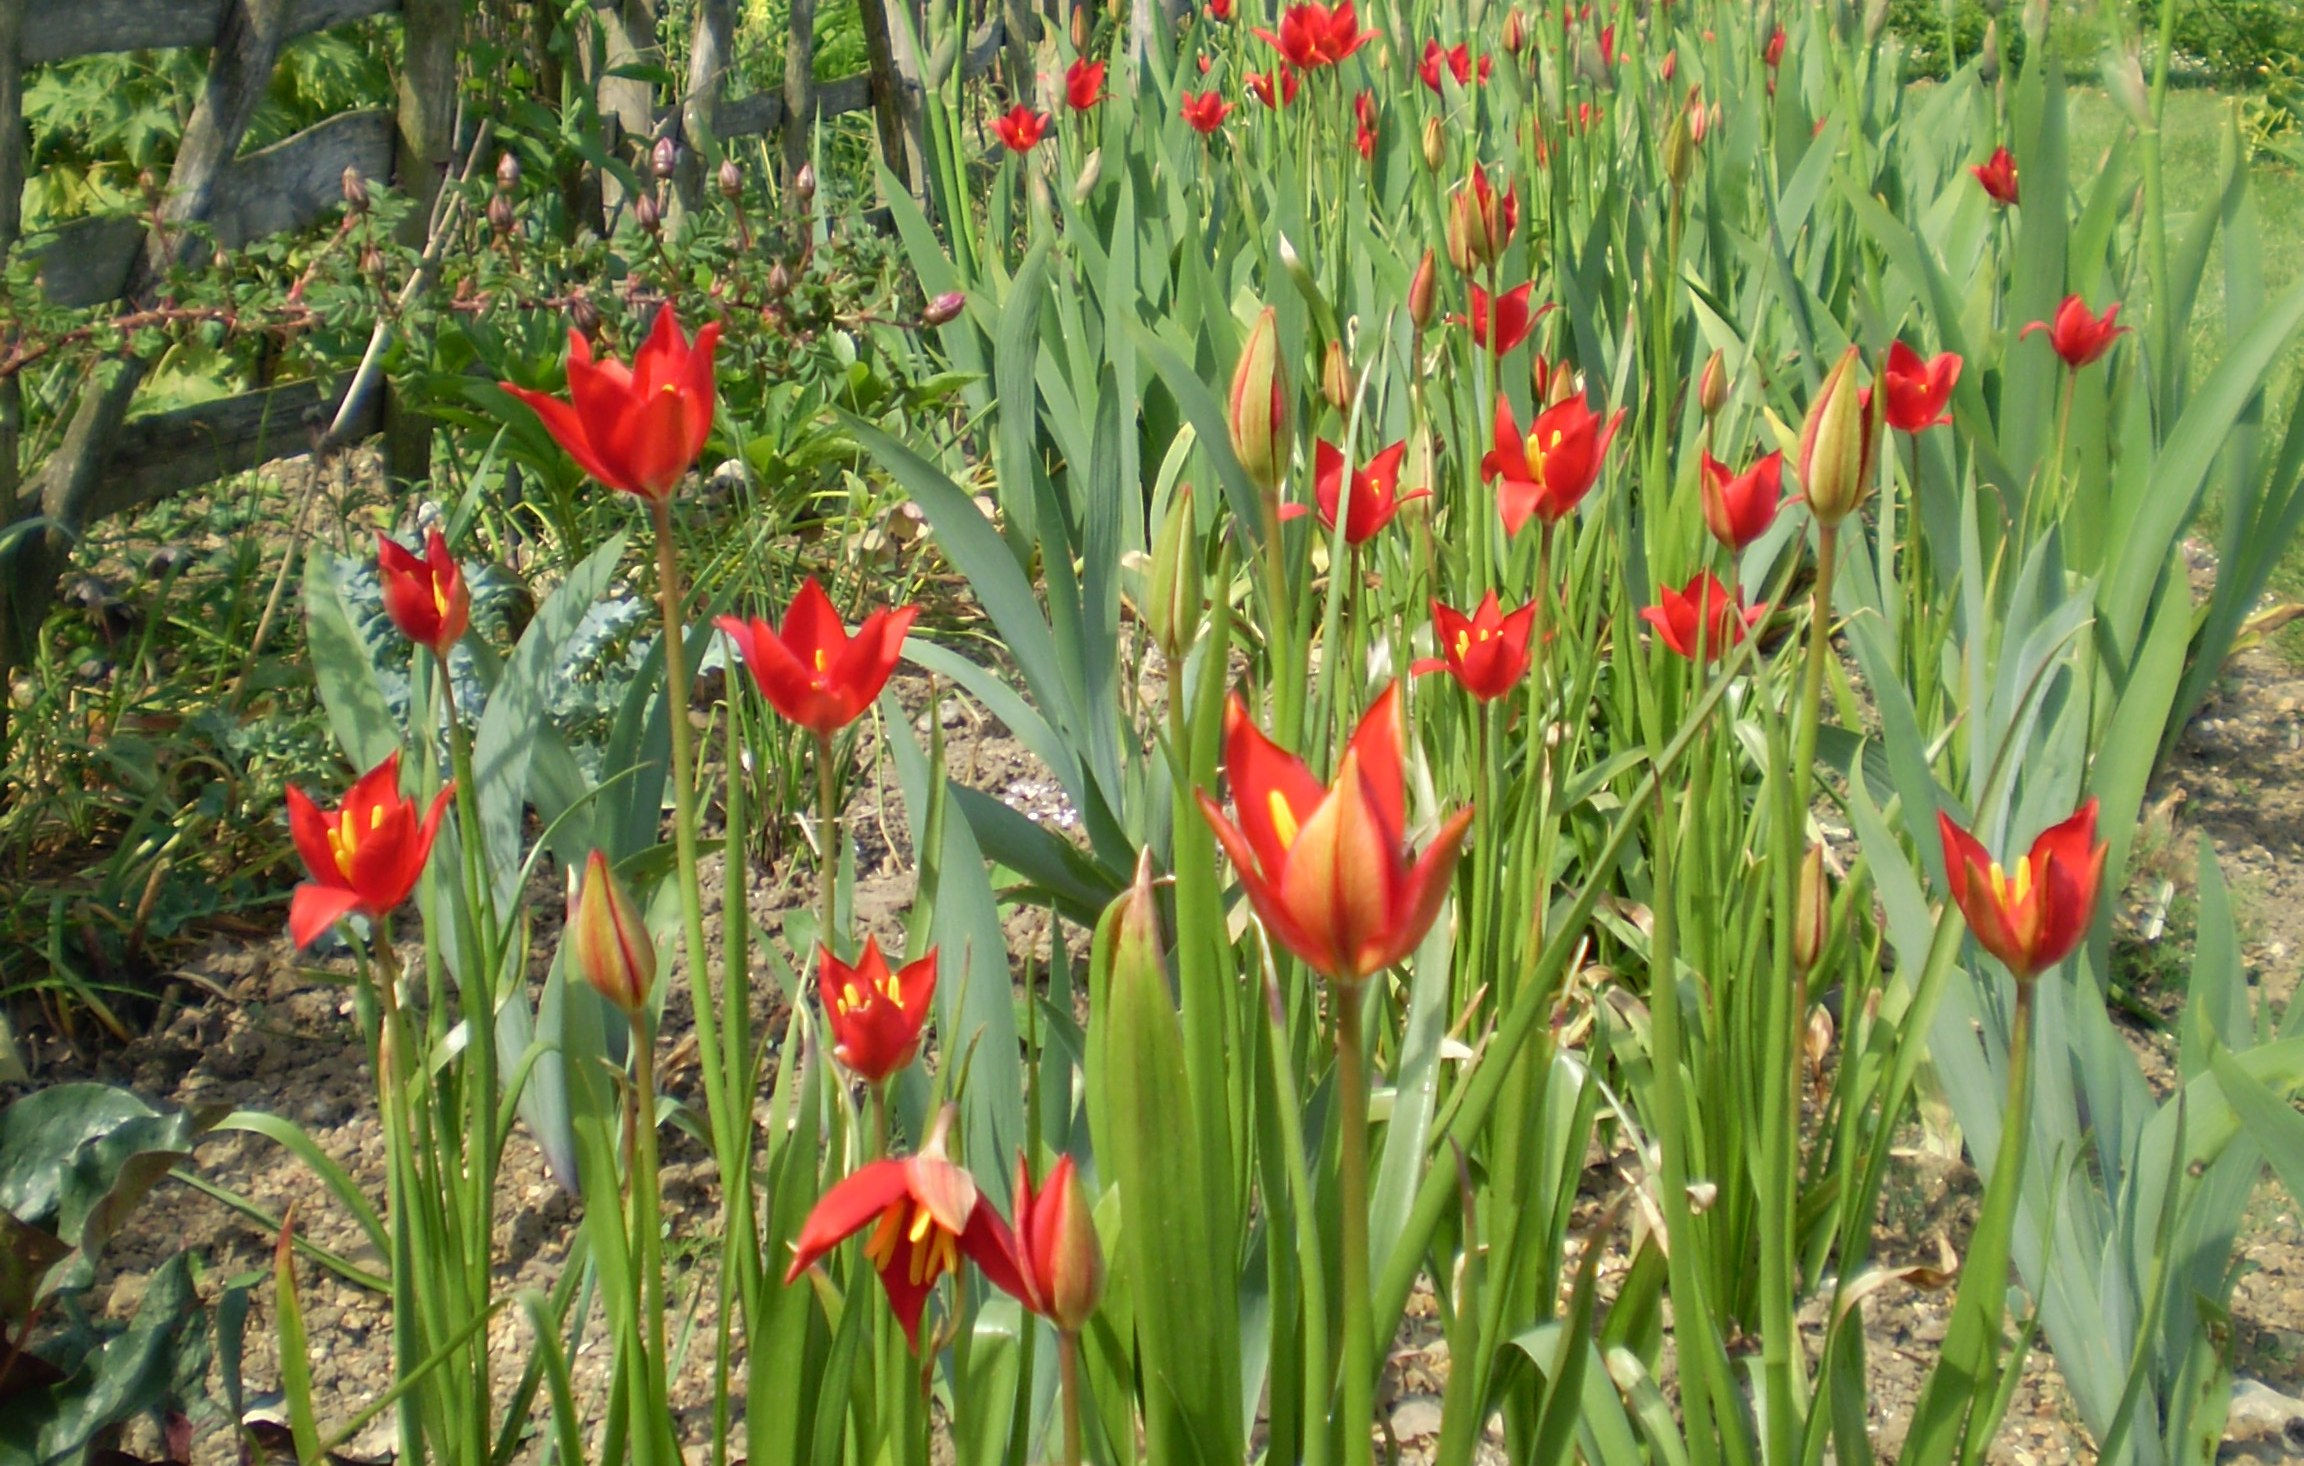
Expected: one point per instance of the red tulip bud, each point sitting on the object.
(1056, 1233)
(1423, 289)
(1257, 408)
(611, 947)
(1712, 386)
(1836, 445)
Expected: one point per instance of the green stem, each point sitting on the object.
(1356, 1411)
(828, 844)
(647, 1208)
(1068, 1384)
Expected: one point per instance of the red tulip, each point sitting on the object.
(812, 671)
(1020, 128)
(1220, 9)
(2079, 336)
(1998, 175)
(426, 598)
(1084, 84)
(1260, 85)
(1480, 222)
(640, 428)
(364, 856)
(1773, 54)
(1915, 390)
(1328, 870)
(607, 939)
(875, 1014)
(1738, 509)
(1704, 611)
(1458, 60)
(925, 1214)
(1312, 35)
(2032, 921)
(1505, 325)
(1205, 111)
(1487, 652)
(1376, 495)
(1061, 1260)
(1607, 45)
(1546, 474)
(1364, 126)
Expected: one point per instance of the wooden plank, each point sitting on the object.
(165, 453)
(12, 141)
(287, 186)
(58, 29)
(763, 112)
(800, 98)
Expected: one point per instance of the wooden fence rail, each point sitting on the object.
(108, 462)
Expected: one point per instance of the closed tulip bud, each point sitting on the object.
(1257, 407)
(1988, 56)
(610, 943)
(355, 191)
(944, 309)
(1056, 1235)
(1679, 150)
(1563, 384)
(1875, 21)
(648, 214)
(1174, 593)
(507, 173)
(1090, 171)
(1712, 386)
(804, 183)
(1435, 144)
(664, 158)
(2036, 21)
(500, 218)
(1423, 290)
(1515, 31)
(1836, 444)
(1336, 378)
(731, 180)
(1811, 913)
(1080, 28)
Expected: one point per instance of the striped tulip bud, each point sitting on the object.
(1423, 290)
(1712, 386)
(1836, 444)
(1336, 378)
(1174, 594)
(1679, 150)
(612, 948)
(1056, 1235)
(1257, 409)
(1811, 913)
(1435, 144)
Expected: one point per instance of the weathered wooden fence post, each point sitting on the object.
(12, 645)
(627, 103)
(799, 87)
(424, 152)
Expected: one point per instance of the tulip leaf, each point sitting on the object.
(358, 713)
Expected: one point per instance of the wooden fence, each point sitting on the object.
(106, 461)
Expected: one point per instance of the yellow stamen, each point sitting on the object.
(881, 1245)
(1463, 643)
(849, 999)
(819, 661)
(1283, 818)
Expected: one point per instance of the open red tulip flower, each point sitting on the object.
(1738, 508)
(1376, 495)
(1328, 869)
(1275, 89)
(1917, 390)
(364, 856)
(1204, 112)
(426, 598)
(1704, 615)
(2032, 920)
(1312, 35)
(876, 1014)
(1458, 61)
(1084, 84)
(636, 428)
(812, 671)
(925, 1214)
(1487, 651)
(2078, 334)
(1546, 474)
(1998, 176)
(1020, 128)
(1502, 323)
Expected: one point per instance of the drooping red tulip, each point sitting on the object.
(1328, 869)
(1204, 112)
(1084, 84)
(426, 598)
(1312, 35)
(636, 428)
(364, 856)
(1458, 61)
(2078, 334)
(1546, 474)
(1260, 85)
(1364, 126)
(812, 671)
(1487, 651)
(1020, 128)
(1704, 611)
(2032, 920)
(1061, 1259)
(1917, 390)
(925, 1214)
(875, 1014)
(1376, 495)
(1998, 175)
(1739, 508)
(1504, 323)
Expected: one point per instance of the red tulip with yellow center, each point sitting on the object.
(876, 1014)
(1486, 651)
(1312, 35)
(812, 671)
(426, 598)
(364, 856)
(1739, 507)
(1704, 616)
(1328, 869)
(1376, 495)
(1546, 474)
(636, 428)
(2031, 919)
(925, 1214)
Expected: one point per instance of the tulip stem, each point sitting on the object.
(828, 843)
(1068, 1384)
(1357, 1403)
(647, 1240)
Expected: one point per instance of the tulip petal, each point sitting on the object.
(856, 1199)
(314, 908)
(1376, 743)
(308, 828)
(1421, 894)
(566, 425)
